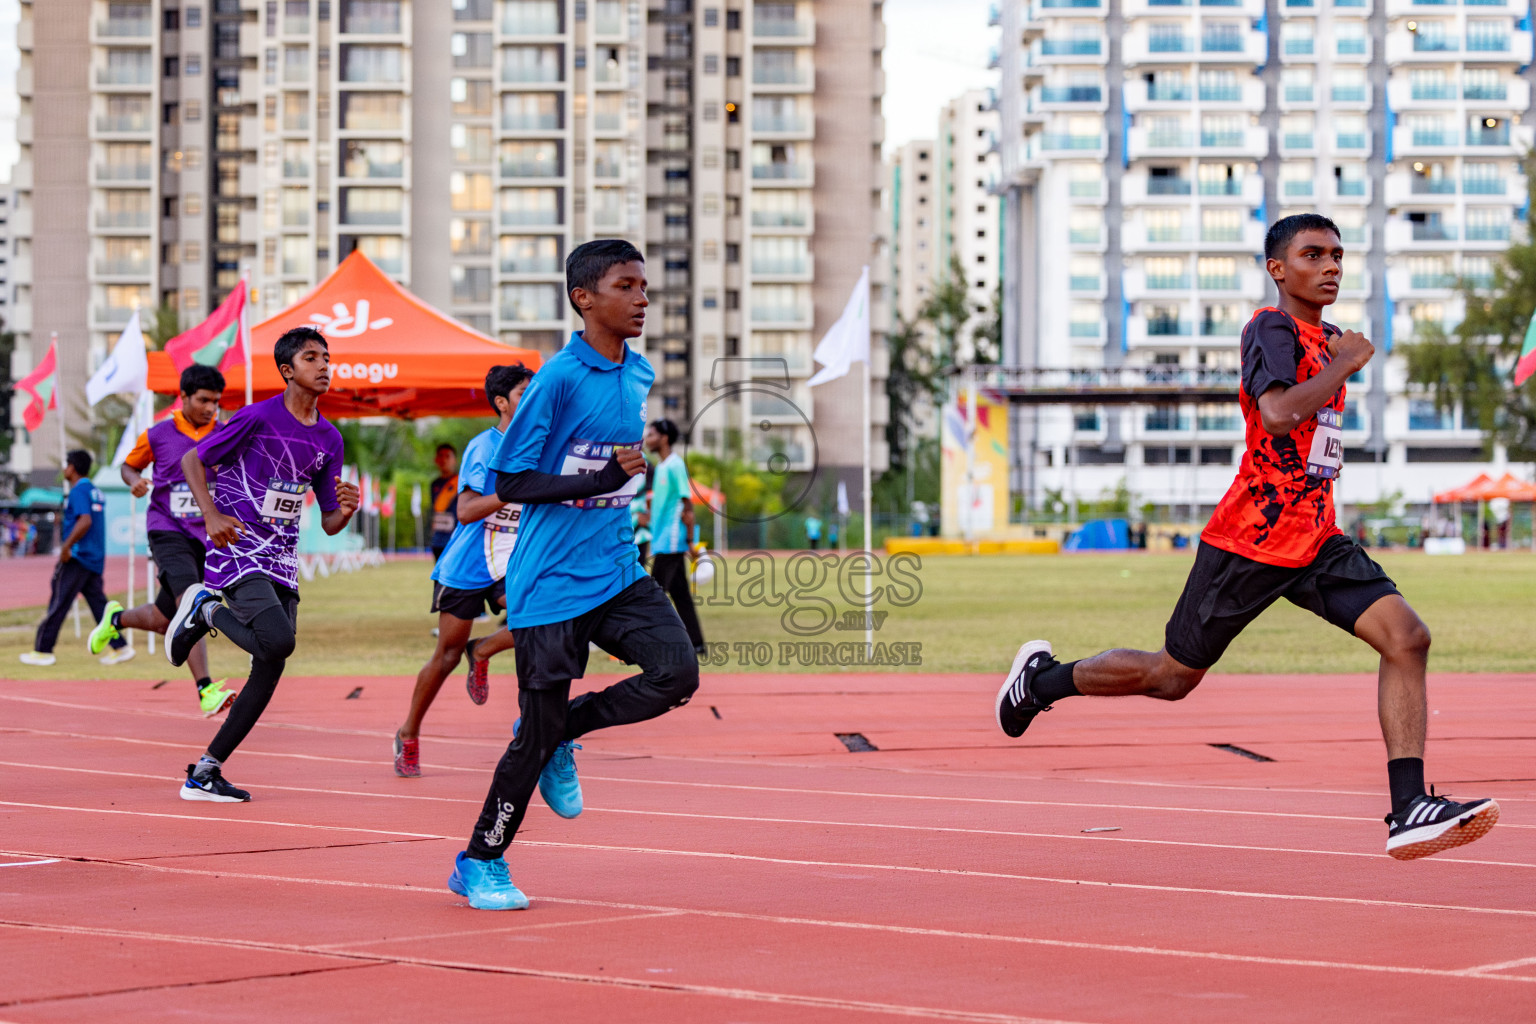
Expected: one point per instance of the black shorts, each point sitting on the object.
(468, 605)
(638, 625)
(1225, 592)
(178, 564)
(251, 595)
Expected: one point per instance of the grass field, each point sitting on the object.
(970, 616)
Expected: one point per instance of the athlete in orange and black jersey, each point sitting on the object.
(1274, 536)
(1279, 510)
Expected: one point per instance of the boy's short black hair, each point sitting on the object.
(1280, 233)
(293, 342)
(446, 447)
(666, 428)
(197, 378)
(588, 262)
(501, 380)
(80, 461)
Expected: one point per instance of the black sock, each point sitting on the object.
(202, 683)
(117, 618)
(1405, 775)
(1053, 683)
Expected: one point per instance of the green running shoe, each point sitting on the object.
(105, 632)
(214, 698)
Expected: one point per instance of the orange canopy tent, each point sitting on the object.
(391, 353)
(1486, 488)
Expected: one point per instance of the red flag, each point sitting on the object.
(42, 384)
(387, 506)
(217, 341)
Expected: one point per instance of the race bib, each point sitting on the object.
(444, 522)
(500, 538)
(1327, 453)
(583, 457)
(283, 503)
(183, 505)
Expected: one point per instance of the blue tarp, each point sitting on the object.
(1100, 535)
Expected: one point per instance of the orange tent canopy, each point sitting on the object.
(1485, 488)
(391, 353)
(703, 494)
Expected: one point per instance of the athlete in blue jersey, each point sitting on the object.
(469, 576)
(572, 457)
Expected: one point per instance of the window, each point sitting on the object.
(382, 17)
(194, 65)
(470, 284)
(471, 10)
(530, 302)
(386, 251)
(471, 49)
(530, 254)
(1221, 224)
(470, 98)
(371, 64)
(530, 206)
(376, 159)
(374, 206)
(469, 192)
(372, 111)
(532, 63)
(527, 159)
(469, 237)
(530, 111)
(470, 145)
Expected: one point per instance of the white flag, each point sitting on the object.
(847, 341)
(416, 501)
(842, 498)
(142, 419)
(125, 371)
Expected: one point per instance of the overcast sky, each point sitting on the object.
(10, 14)
(934, 50)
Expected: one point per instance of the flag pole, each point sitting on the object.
(245, 331)
(869, 536)
(59, 400)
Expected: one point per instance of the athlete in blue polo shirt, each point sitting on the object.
(82, 557)
(572, 457)
(468, 576)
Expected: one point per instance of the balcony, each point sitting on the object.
(528, 20)
(608, 18)
(1163, 328)
(781, 218)
(781, 172)
(125, 172)
(1157, 92)
(1220, 282)
(1483, 91)
(1084, 236)
(1426, 186)
(1251, 142)
(1171, 44)
(1487, 42)
(529, 217)
(784, 29)
(1062, 142)
(1222, 42)
(122, 268)
(1351, 188)
(530, 265)
(1144, 142)
(120, 75)
(1481, 136)
(110, 125)
(1351, 93)
(126, 28)
(1488, 232)
(1071, 47)
(295, 168)
(1085, 282)
(372, 218)
(799, 266)
(1357, 47)
(767, 124)
(1426, 43)
(1076, 329)
(1221, 328)
(1167, 282)
(1071, 4)
(1349, 140)
(1484, 186)
(781, 314)
(1299, 94)
(537, 122)
(1221, 93)
(770, 76)
(110, 220)
(1071, 94)
(1432, 231)
(1166, 419)
(1168, 186)
(1294, 47)
(1431, 282)
(1296, 140)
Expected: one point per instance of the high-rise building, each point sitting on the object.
(169, 147)
(764, 183)
(1145, 146)
(911, 187)
(969, 234)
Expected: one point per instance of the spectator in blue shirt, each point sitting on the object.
(82, 557)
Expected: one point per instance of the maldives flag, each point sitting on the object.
(1526, 364)
(217, 341)
(42, 384)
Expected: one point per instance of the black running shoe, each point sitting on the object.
(189, 625)
(1016, 708)
(211, 787)
(1433, 823)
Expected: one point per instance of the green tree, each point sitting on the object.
(948, 309)
(987, 338)
(7, 428)
(913, 382)
(1473, 364)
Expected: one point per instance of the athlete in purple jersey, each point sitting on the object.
(177, 540)
(268, 456)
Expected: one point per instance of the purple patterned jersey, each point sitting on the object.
(267, 460)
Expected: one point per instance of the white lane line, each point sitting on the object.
(677, 988)
(511, 929)
(218, 821)
(942, 933)
(820, 822)
(753, 762)
(901, 868)
(1505, 966)
(30, 863)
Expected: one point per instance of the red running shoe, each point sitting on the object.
(478, 682)
(407, 757)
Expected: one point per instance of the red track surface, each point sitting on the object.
(747, 867)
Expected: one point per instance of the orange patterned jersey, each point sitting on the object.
(1279, 510)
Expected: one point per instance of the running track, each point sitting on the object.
(737, 863)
